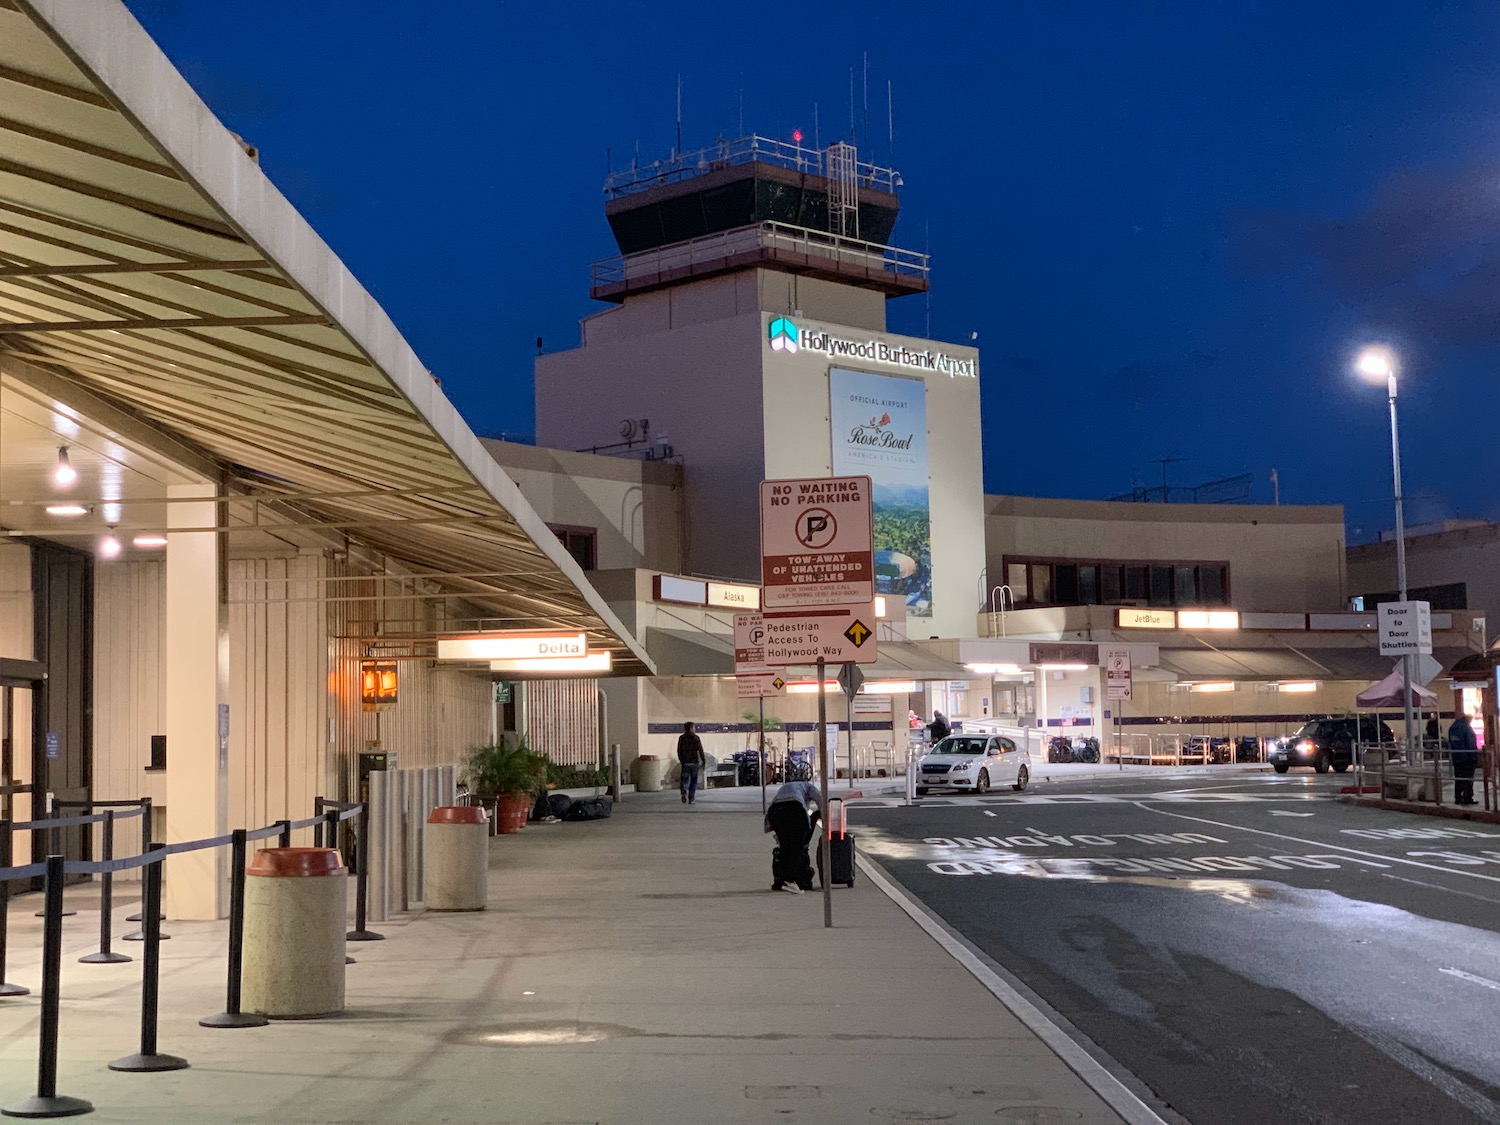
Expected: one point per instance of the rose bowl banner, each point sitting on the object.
(880, 429)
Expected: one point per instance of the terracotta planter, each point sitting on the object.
(511, 811)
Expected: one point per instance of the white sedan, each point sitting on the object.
(972, 763)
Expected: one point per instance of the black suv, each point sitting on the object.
(1325, 743)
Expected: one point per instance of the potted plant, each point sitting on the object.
(508, 773)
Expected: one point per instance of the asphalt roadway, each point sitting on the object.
(1240, 949)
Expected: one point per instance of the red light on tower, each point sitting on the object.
(797, 135)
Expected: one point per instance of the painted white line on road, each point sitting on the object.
(1321, 844)
(1274, 812)
(1110, 1089)
(986, 813)
(1439, 887)
(1495, 984)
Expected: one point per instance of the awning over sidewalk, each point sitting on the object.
(1287, 663)
(150, 273)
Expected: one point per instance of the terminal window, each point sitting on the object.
(1052, 582)
(580, 542)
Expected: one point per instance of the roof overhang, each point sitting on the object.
(151, 272)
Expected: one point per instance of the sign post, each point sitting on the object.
(1405, 630)
(817, 569)
(850, 679)
(1118, 687)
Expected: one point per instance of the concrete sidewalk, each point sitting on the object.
(631, 970)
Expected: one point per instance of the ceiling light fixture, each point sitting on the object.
(67, 510)
(151, 539)
(109, 546)
(64, 474)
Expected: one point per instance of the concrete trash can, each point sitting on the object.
(456, 858)
(296, 908)
(648, 773)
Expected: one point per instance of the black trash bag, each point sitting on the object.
(559, 804)
(540, 810)
(589, 808)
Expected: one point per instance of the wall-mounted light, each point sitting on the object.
(68, 510)
(63, 474)
(109, 546)
(377, 683)
(149, 541)
(1298, 686)
(1222, 685)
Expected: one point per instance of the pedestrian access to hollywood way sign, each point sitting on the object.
(972, 763)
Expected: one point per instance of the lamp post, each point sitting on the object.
(1374, 364)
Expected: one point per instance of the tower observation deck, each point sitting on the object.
(755, 203)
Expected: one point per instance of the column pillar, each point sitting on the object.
(197, 703)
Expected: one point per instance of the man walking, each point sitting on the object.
(792, 815)
(691, 758)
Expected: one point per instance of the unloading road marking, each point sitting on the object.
(1321, 844)
(1485, 981)
(1110, 1089)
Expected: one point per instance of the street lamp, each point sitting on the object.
(1375, 363)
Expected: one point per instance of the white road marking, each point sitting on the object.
(1472, 978)
(1114, 1093)
(1283, 812)
(1320, 844)
(986, 813)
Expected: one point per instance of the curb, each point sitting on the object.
(1423, 808)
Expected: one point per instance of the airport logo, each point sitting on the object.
(786, 336)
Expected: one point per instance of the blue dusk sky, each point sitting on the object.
(1171, 224)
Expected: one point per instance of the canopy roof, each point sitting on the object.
(1387, 693)
(165, 311)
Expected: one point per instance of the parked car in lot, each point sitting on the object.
(1327, 744)
(972, 763)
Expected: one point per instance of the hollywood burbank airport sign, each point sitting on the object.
(786, 335)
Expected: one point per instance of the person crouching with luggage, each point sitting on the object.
(792, 815)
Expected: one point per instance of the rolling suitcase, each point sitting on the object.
(840, 848)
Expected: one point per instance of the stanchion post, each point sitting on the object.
(6, 989)
(362, 880)
(47, 1102)
(53, 836)
(145, 836)
(106, 956)
(148, 1058)
(231, 1016)
(331, 831)
(318, 827)
(285, 840)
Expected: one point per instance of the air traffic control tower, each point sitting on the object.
(747, 336)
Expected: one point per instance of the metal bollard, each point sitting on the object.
(48, 1102)
(106, 956)
(148, 1058)
(6, 989)
(231, 1016)
(362, 884)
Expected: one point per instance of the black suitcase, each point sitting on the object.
(588, 808)
(840, 849)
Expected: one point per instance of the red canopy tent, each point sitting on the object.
(1386, 693)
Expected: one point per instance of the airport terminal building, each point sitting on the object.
(231, 488)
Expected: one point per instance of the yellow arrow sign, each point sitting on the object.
(858, 633)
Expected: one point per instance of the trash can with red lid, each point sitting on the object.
(456, 858)
(296, 915)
